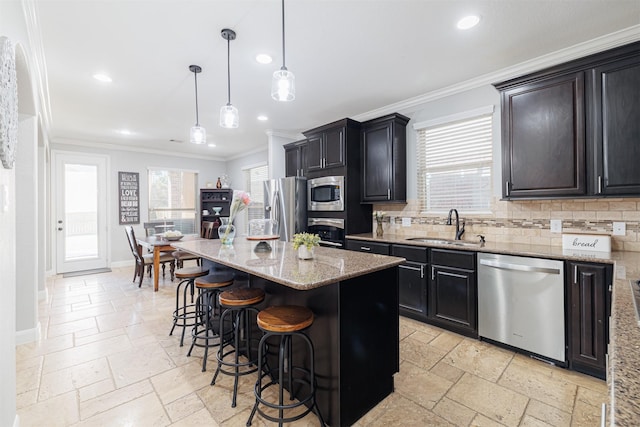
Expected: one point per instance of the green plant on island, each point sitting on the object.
(305, 239)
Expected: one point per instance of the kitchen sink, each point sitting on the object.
(437, 241)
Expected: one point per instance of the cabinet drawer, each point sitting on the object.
(371, 247)
(411, 253)
(453, 259)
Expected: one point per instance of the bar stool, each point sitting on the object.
(237, 305)
(203, 333)
(285, 322)
(185, 314)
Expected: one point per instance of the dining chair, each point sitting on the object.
(156, 227)
(146, 260)
(206, 232)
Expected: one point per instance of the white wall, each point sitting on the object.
(128, 161)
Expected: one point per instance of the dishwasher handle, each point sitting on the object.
(518, 267)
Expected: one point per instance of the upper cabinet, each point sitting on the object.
(384, 159)
(295, 158)
(326, 146)
(572, 130)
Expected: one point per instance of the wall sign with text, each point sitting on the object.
(129, 197)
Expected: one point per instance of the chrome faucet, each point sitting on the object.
(459, 231)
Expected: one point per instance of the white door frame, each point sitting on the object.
(104, 205)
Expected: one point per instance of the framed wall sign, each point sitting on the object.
(129, 197)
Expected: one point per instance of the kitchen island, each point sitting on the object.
(354, 297)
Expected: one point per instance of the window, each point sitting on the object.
(173, 197)
(454, 163)
(253, 181)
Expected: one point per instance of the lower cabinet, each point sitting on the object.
(412, 280)
(588, 311)
(453, 291)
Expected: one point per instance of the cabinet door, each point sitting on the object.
(588, 319)
(334, 149)
(371, 247)
(617, 125)
(453, 300)
(544, 145)
(412, 283)
(376, 163)
(314, 152)
(292, 161)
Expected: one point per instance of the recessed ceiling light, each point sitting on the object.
(102, 78)
(212, 145)
(468, 22)
(263, 58)
(125, 132)
(263, 118)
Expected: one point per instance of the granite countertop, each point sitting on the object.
(282, 265)
(623, 376)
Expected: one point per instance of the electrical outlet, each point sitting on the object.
(392, 220)
(556, 226)
(406, 222)
(619, 228)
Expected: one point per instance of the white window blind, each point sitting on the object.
(254, 177)
(454, 165)
(173, 197)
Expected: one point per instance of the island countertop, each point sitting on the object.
(282, 265)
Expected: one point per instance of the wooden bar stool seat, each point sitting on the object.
(205, 332)
(185, 313)
(285, 322)
(238, 305)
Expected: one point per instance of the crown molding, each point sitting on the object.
(609, 41)
(281, 134)
(247, 153)
(118, 147)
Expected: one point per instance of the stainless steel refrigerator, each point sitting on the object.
(285, 200)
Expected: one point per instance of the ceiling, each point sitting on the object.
(349, 57)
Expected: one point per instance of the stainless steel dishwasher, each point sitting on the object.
(521, 303)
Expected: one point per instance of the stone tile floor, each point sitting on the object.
(106, 359)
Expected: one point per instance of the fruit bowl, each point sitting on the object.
(173, 238)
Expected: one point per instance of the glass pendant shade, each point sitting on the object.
(198, 135)
(283, 85)
(229, 117)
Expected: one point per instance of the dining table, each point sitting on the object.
(159, 244)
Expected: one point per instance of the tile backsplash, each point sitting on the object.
(525, 221)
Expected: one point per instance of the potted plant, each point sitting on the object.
(304, 244)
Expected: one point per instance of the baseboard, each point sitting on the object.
(43, 295)
(16, 421)
(28, 335)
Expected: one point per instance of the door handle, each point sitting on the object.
(59, 228)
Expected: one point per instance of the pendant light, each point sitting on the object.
(229, 117)
(283, 84)
(198, 134)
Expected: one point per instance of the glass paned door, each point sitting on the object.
(81, 212)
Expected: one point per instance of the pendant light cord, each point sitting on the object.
(228, 73)
(283, 53)
(195, 76)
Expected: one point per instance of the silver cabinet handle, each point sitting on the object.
(408, 267)
(599, 184)
(324, 242)
(422, 271)
(365, 248)
(433, 273)
(575, 274)
(506, 188)
(388, 194)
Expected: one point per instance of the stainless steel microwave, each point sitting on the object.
(325, 193)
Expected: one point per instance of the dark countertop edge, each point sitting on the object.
(390, 261)
(623, 376)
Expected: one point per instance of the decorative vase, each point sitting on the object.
(304, 253)
(227, 232)
(379, 231)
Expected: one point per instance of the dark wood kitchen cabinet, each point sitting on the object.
(588, 316)
(412, 280)
(453, 291)
(384, 159)
(616, 119)
(327, 146)
(295, 158)
(370, 247)
(572, 130)
(543, 152)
